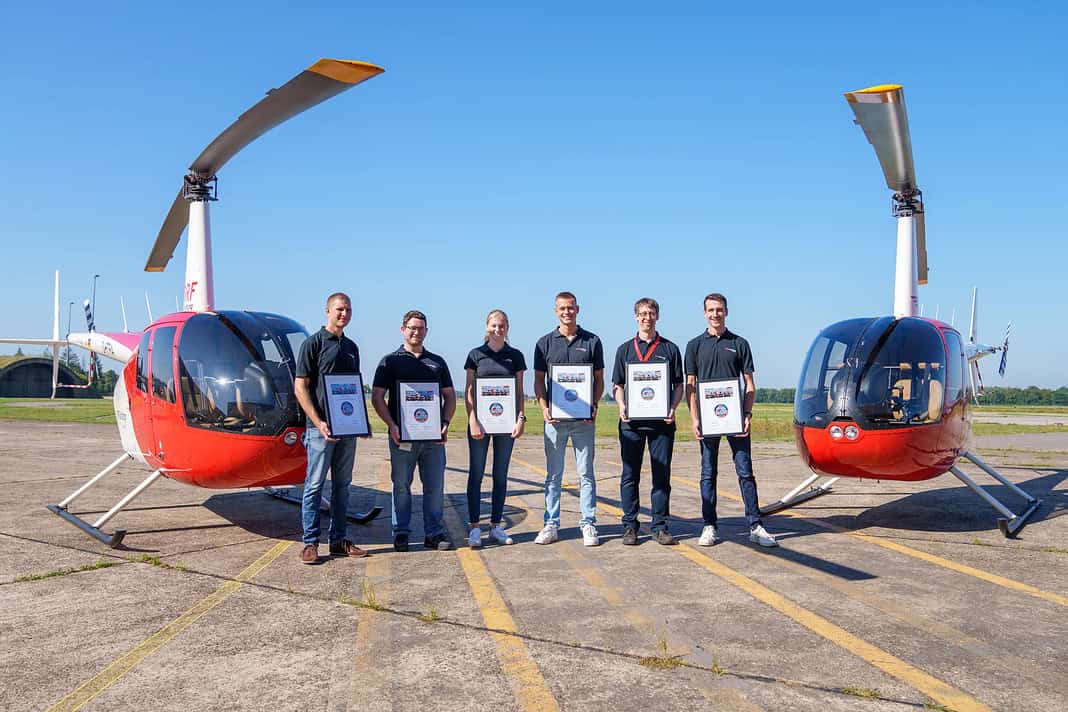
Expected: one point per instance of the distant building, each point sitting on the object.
(31, 377)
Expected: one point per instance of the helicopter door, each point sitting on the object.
(166, 415)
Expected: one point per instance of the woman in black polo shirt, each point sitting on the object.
(493, 359)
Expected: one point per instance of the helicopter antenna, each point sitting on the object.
(148, 305)
(880, 111)
(319, 82)
(122, 308)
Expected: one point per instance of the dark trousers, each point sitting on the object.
(478, 451)
(741, 448)
(632, 443)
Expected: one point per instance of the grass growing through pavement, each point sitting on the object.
(662, 661)
(865, 692)
(430, 616)
(65, 572)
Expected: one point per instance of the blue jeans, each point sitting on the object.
(338, 457)
(477, 451)
(582, 441)
(661, 439)
(430, 457)
(741, 448)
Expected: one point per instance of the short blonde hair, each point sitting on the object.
(501, 314)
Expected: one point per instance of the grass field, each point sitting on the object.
(771, 421)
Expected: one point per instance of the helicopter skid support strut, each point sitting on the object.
(796, 496)
(93, 530)
(1010, 522)
(359, 517)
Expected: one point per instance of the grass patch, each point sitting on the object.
(977, 542)
(865, 692)
(102, 564)
(1015, 428)
(155, 560)
(937, 707)
(430, 616)
(69, 410)
(661, 661)
(369, 600)
(1054, 550)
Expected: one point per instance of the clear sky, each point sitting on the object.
(513, 150)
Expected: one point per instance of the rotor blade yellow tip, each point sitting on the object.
(346, 70)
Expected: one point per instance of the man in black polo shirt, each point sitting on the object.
(326, 351)
(718, 354)
(647, 347)
(569, 343)
(413, 363)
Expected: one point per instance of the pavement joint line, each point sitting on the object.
(929, 685)
(1002, 581)
(109, 675)
(531, 691)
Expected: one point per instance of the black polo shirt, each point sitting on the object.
(324, 353)
(487, 363)
(405, 366)
(666, 352)
(555, 348)
(716, 358)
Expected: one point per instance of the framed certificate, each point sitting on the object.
(419, 408)
(721, 407)
(648, 391)
(495, 404)
(346, 407)
(570, 391)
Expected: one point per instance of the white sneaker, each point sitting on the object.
(759, 535)
(474, 539)
(499, 535)
(547, 535)
(708, 536)
(589, 535)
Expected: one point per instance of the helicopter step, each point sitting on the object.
(796, 496)
(94, 530)
(287, 495)
(1010, 523)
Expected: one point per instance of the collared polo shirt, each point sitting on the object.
(666, 352)
(716, 358)
(554, 348)
(404, 366)
(324, 353)
(487, 363)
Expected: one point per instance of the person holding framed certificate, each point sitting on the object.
(412, 391)
(494, 399)
(718, 354)
(648, 385)
(326, 353)
(567, 345)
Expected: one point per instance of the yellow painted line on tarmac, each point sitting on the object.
(934, 688)
(1002, 581)
(104, 679)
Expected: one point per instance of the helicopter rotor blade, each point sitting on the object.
(319, 82)
(880, 111)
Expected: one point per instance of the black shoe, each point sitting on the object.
(663, 536)
(346, 548)
(400, 542)
(438, 541)
(630, 537)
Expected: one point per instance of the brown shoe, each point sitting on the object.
(346, 548)
(309, 554)
(663, 536)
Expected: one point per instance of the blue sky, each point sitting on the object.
(509, 152)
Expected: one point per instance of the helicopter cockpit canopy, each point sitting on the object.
(880, 373)
(237, 370)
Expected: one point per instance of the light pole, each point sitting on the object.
(95, 277)
(69, 307)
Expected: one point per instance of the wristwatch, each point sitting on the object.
(522, 416)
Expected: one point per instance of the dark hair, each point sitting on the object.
(647, 302)
(566, 295)
(413, 314)
(714, 297)
(338, 295)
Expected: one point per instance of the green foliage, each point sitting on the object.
(102, 564)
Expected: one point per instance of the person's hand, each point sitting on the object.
(671, 417)
(746, 422)
(445, 433)
(696, 429)
(623, 413)
(520, 425)
(394, 434)
(476, 429)
(325, 430)
(547, 417)
(593, 414)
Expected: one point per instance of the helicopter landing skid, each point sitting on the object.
(358, 517)
(1010, 523)
(796, 496)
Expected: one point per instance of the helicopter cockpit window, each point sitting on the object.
(141, 374)
(825, 377)
(903, 376)
(163, 363)
(236, 372)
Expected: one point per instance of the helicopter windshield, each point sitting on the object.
(236, 371)
(882, 373)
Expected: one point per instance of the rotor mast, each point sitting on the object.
(906, 284)
(199, 294)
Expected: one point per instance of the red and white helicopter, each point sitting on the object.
(205, 396)
(886, 397)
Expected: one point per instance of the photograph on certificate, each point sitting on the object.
(419, 407)
(570, 391)
(495, 404)
(346, 406)
(648, 392)
(721, 407)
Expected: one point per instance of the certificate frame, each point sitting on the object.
(720, 404)
(419, 410)
(346, 405)
(571, 391)
(647, 391)
(495, 404)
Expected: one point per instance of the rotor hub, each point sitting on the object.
(198, 187)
